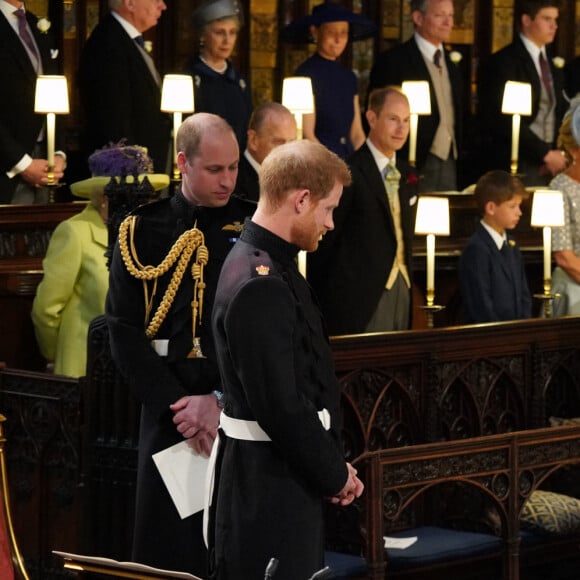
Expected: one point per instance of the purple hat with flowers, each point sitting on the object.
(119, 160)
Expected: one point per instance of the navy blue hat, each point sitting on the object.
(298, 32)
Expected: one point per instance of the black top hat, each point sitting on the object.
(298, 32)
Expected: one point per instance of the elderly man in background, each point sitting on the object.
(25, 52)
(120, 88)
(271, 125)
(424, 58)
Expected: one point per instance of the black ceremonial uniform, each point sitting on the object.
(162, 539)
(277, 369)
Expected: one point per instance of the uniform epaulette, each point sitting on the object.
(152, 206)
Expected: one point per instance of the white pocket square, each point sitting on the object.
(53, 53)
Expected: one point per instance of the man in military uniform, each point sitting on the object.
(279, 430)
(158, 319)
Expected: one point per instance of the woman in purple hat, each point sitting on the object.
(336, 122)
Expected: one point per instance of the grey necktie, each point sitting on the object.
(392, 177)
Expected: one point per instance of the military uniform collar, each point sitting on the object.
(280, 250)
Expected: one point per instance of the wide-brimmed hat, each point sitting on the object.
(298, 32)
(213, 10)
(119, 160)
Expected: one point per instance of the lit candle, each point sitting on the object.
(299, 132)
(302, 262)
(515, 142)
(50, 129)
(547, 253)
(177, 116)
(413, 138)
(430, 262)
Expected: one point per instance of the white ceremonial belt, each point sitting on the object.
(243, 430)
(251, 430)
(160, 346)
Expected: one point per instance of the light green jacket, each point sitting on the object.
(72, 291)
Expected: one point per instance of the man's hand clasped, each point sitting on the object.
(197, 418)
(353, 488)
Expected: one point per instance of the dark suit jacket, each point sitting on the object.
(350, 269)
(120, 97)
(405, 62)
(19, 124)
(514, 63)
(572, 72)
(247, 184)
(493, 283)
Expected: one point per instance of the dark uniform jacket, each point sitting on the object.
(162, 539)
(247, 184)
(406, 63)
(19, 125)
(120, 96)
(493, 282)
(277, 369)
(350, 269)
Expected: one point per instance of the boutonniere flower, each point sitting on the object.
(197, 81)
(412, 179)
(559, 62)
(148, 46)
(43, 25)
(243, 84)
(511, 243)
(455, 56)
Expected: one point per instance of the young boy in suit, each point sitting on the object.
(491, 269)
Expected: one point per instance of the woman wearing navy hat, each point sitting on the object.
(336, 122)
(218, 86)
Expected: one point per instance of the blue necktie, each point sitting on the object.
(140, 41)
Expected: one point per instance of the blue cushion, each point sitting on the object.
(345, 565)
(438, 544)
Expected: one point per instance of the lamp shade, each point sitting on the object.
(432, 216)
(297, 95)
(51, 94)
(419, 98)
(517, 99)
(547, 208)
(177, 94)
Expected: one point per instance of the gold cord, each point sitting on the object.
(181, 252)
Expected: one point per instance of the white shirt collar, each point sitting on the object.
(533, 48)
(127, 26)
(495, 236)
(252, 161)
(380, 158)
(426, 48)
(8, 11)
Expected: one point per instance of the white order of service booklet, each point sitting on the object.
(183, 471)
